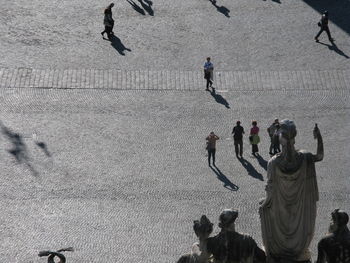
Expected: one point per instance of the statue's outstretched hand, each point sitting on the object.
(316, 132)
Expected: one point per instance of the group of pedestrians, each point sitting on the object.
(254, 140)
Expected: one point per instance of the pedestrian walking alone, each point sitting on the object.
(254, 137)
(208, 73)
(271, 131)
(211, 146)
(108, 21)
(238, 132)
(323, 24)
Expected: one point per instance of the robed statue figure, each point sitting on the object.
(288, 212)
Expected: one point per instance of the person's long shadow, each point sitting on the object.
(136, 7)
(220, 99)
(118, 45)
(147, 5)
(222, 9)
(334, 48)
(19, 148)
(227, 183)
(250, 169)
(262, 161)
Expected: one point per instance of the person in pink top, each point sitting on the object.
(254, 137)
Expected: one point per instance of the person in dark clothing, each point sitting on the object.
(276, 140)
(108, 21)
(238, 132)
(323, 24)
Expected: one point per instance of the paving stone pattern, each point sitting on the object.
(120, 175)
(172, 80)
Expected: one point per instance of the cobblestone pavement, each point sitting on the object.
(121, 174)
(257, 35)
(102, 144)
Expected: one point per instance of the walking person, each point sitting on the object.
(238, 132)
(108, 21)
(211, 146)
(208, 73)
(271, 131)
(323, 24)
(254, 137)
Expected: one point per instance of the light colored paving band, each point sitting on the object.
(172, 80)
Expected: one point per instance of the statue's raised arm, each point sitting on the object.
(320, 152)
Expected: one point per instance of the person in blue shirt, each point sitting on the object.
(208, 72)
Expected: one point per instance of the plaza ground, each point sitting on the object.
(106, 153)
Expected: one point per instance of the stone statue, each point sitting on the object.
(335, 247)
(51, 255)
(202, 229)
(289, 211)
(230, 246)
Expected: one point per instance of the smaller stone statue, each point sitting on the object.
(202, 229)
(230, 246)
(335, 247)
(52, 254)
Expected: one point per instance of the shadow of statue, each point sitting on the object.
(118, 45)
(19, 148)
(334, 48)
(227, 183)
(277, 1)
(147, 5)
(136, 7)
(250, 169)
(220, 99)
(221, 9)
(262, 161)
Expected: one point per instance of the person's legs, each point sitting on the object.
(255, 148)
(318, 34)
(104, 31)
(208, 82)
(236, 147)
(328, 34)
(241, 148)
(209, 155)
(213, 153)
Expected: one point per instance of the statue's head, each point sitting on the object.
(339, 220)
(227, 218)
(287, 131)
(202, 227)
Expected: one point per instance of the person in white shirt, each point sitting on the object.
(208, 72)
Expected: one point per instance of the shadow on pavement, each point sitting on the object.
(227, 183)
(43, 146)
(221, 9)
(118, 45)
(147, 5)
(250, 169)
(262, 161)
(339, 12)
(220, 99)
(136, 7)
(334, 48)
(19, 148)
